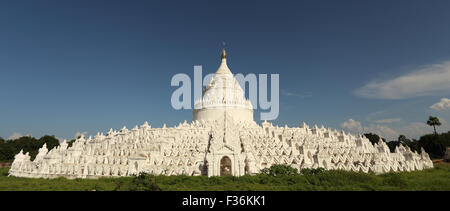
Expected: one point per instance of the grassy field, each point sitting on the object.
(437, 178)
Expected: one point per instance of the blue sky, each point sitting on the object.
(70, 67)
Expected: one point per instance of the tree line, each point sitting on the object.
(434, 144)
(9, 148)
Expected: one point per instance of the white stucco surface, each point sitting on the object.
(221, 139)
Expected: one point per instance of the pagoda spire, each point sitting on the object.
(223, 68)
(224, 54)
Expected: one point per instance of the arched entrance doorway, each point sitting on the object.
(225, 166)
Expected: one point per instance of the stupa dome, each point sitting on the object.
(223, 94)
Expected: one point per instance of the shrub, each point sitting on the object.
(277, 170)
(312, 171)
(142, 182)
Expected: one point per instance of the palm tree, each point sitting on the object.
(433, 121)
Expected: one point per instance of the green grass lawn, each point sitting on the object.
(437, 178)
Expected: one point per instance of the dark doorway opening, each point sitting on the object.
(225, 166)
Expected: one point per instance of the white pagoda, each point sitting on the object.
(222, 139)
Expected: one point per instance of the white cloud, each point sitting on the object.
(352, 126)
(384, 131)
(429, 80)
(292, 94)
(415, 130)
(441, 105)
(15, 135)
(388, 120)
(355, 127)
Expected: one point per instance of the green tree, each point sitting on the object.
(392, 145)
(433, 121)
(403, 140)
(10, 148)
(373, 138)
(51, 141)
(69, 143)
(435, 145)
(412, 144)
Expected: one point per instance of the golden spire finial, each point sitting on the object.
(224, 53)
